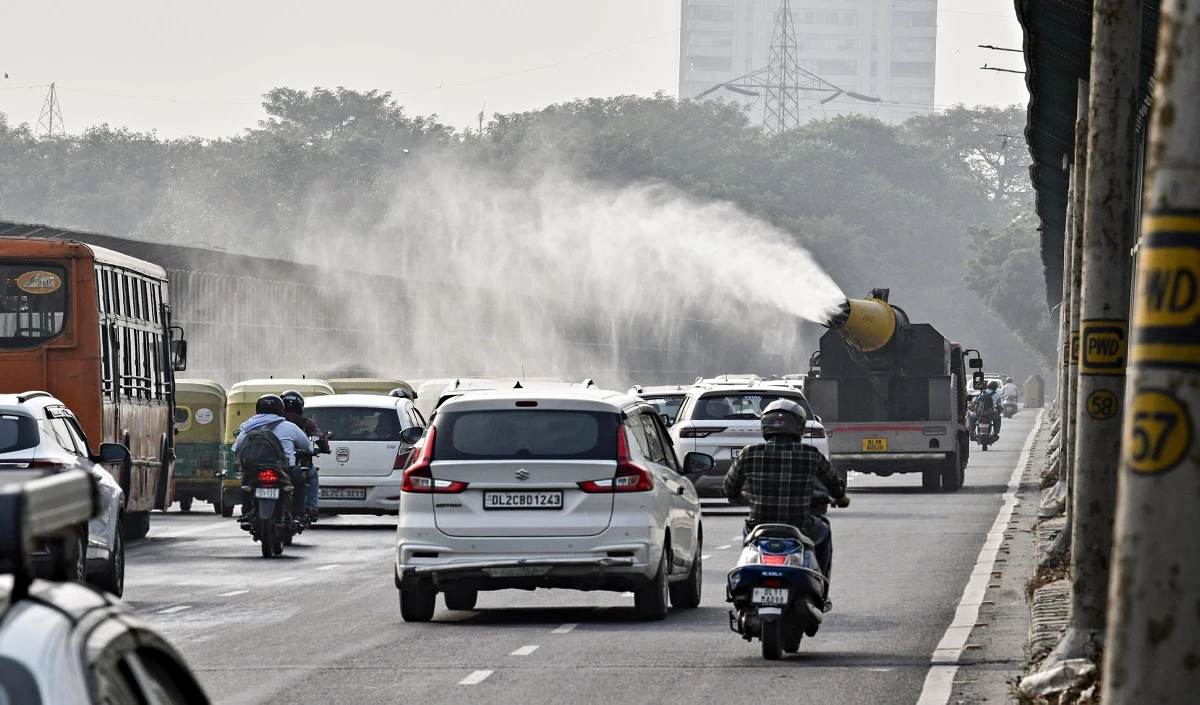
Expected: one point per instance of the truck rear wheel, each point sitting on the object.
(952, 475)
(931, 480)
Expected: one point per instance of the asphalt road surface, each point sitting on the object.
(322, 624)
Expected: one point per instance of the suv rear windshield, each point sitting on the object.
(745, 405)
(17, 433)
(665, 403)
(526, 434)
(33, 303)
(353, 423)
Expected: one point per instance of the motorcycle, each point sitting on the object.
(270, 521)
(983, 431)
(777, 588)
(1010, 406)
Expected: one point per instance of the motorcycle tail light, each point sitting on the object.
(268, 476)
(769, 559)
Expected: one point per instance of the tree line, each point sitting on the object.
(937, 208)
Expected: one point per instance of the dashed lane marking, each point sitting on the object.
(188, 532)
(722, 548)
(525, 650)
(235, 592)
(564, 629)
(475, 678)
(331, 566)
(706, 556)
(281, 580)
(176, 608)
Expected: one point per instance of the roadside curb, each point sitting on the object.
(1050, 606)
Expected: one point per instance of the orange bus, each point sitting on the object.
(93, 327)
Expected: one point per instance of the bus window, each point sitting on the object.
(33, 304)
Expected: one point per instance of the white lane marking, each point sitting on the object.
(475, 678)
(176, 608)
(281, 580)
(525, 650)
(706, 556)
(188, 532)
(939, 682)
(331, 566)
(235, 592)
(564, 629)
(722, 548)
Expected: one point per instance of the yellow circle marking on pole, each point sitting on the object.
(1158, 432)
(1102, 405)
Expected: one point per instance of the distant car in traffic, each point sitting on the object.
(666, 398)
(721, 420)
(39, 435)
(576, 489)
(362, 474)
(63, 642)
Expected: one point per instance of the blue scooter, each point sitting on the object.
(777, 588)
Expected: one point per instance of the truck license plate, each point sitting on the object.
(874, 445)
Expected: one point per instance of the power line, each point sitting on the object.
(537, 68)
(161, 100)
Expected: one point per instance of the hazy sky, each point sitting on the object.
(200, 68)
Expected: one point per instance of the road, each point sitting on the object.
(322, 624)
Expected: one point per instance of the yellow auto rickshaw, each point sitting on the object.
(199, 454)
(239, 407)
(371, 385)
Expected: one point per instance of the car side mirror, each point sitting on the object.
(412, 434)
(666, 419)
(696, 463)
(112, 453)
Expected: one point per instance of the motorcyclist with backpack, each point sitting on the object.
(987, 403)
(293, 410)
(781, 477)
(268, 417)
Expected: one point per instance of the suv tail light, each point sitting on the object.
(699, 432)
(418, 478)
(817, 432)
(630, 477)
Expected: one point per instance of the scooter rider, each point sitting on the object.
(780, 474)
(293, 410)
(1010, 389)
(268, 412)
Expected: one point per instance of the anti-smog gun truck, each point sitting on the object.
(892, 394)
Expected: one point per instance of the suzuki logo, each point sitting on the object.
(522, 474)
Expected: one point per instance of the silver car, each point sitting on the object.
(575, 489)
(40, 435)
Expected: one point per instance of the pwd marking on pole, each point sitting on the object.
(1074, 347)
(1102, 405)
(1166, 314)
(1104, 346)
(1160, 432)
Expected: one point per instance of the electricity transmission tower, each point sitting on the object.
(50, 121)
(782, 80)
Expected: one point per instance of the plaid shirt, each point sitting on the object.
(780, 475)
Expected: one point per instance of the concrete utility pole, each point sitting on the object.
(1109, 207)
(1153, 653)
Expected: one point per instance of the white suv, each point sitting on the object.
(536, 488)
(40, 435)
(362, 473)
(720, 421)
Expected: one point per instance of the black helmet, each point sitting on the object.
(1008, 380)
(293, 401)
(269, 404)
(993, 385)
(783, 417)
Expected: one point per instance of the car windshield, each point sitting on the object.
(352, 423)
(17, 433)
(33, 303)
(745, 405)
(666, 403)
(523, 434)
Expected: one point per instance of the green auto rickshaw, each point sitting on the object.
(239, 407)
(199, 454)
(370, 385)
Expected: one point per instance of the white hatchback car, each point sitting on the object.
(362, 473)
(39, 435)
(720, 421)
(536, 488)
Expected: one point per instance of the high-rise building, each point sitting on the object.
(879, 48)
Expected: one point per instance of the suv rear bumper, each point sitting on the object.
(580, 563)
